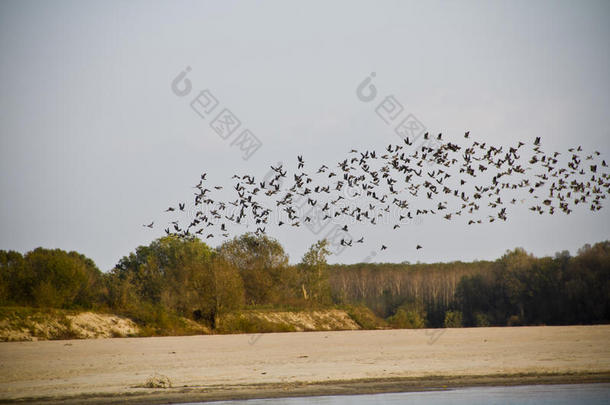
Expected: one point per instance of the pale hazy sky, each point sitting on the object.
(94, 143)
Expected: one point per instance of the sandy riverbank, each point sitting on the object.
(300, 363)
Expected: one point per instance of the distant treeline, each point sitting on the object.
(516, 289)
(173, 277)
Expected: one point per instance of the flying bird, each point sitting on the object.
(471, 183)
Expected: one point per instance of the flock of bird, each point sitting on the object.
(478, 182)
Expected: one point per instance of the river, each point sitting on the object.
(564, 394)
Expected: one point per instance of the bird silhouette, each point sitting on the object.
(476, 183)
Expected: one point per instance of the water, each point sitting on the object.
(585, 394)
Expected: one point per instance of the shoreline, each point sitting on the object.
(221, 367)
(187, 394)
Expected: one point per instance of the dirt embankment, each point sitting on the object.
(28, 324)
(253, 321)
(32, 325)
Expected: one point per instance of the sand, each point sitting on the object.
(300, 363)
(40, 325)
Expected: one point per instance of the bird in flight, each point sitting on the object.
(474, 182)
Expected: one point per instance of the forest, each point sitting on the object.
(183, 277)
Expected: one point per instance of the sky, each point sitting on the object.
(97, 140)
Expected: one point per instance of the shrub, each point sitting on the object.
(514, 320)
(364, 317)
(481, 319)
(158, 381)
(453, 319)
(408, 318)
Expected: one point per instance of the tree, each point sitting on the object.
(15, 287)
(587, 284)
(511, 273)
(313, 273)
(474, 295)
(164, 271)
(263, 266)
(52, 278)
(175, 275)
(226, 290)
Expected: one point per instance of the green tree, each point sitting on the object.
(175, 275)
(587, 284)
(58, 279)
(222, 290)
(410, 315)
(453, 319)
(511, 273)
(263, 266)
(313, 273)
(15, 285)
(164, 271)
(475, 295)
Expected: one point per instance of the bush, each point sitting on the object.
(408, 316)
(364, 317)
(514, 320)
(453, 319)
(481, 319)
(158, 381)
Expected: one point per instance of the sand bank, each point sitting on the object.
(300, 363)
